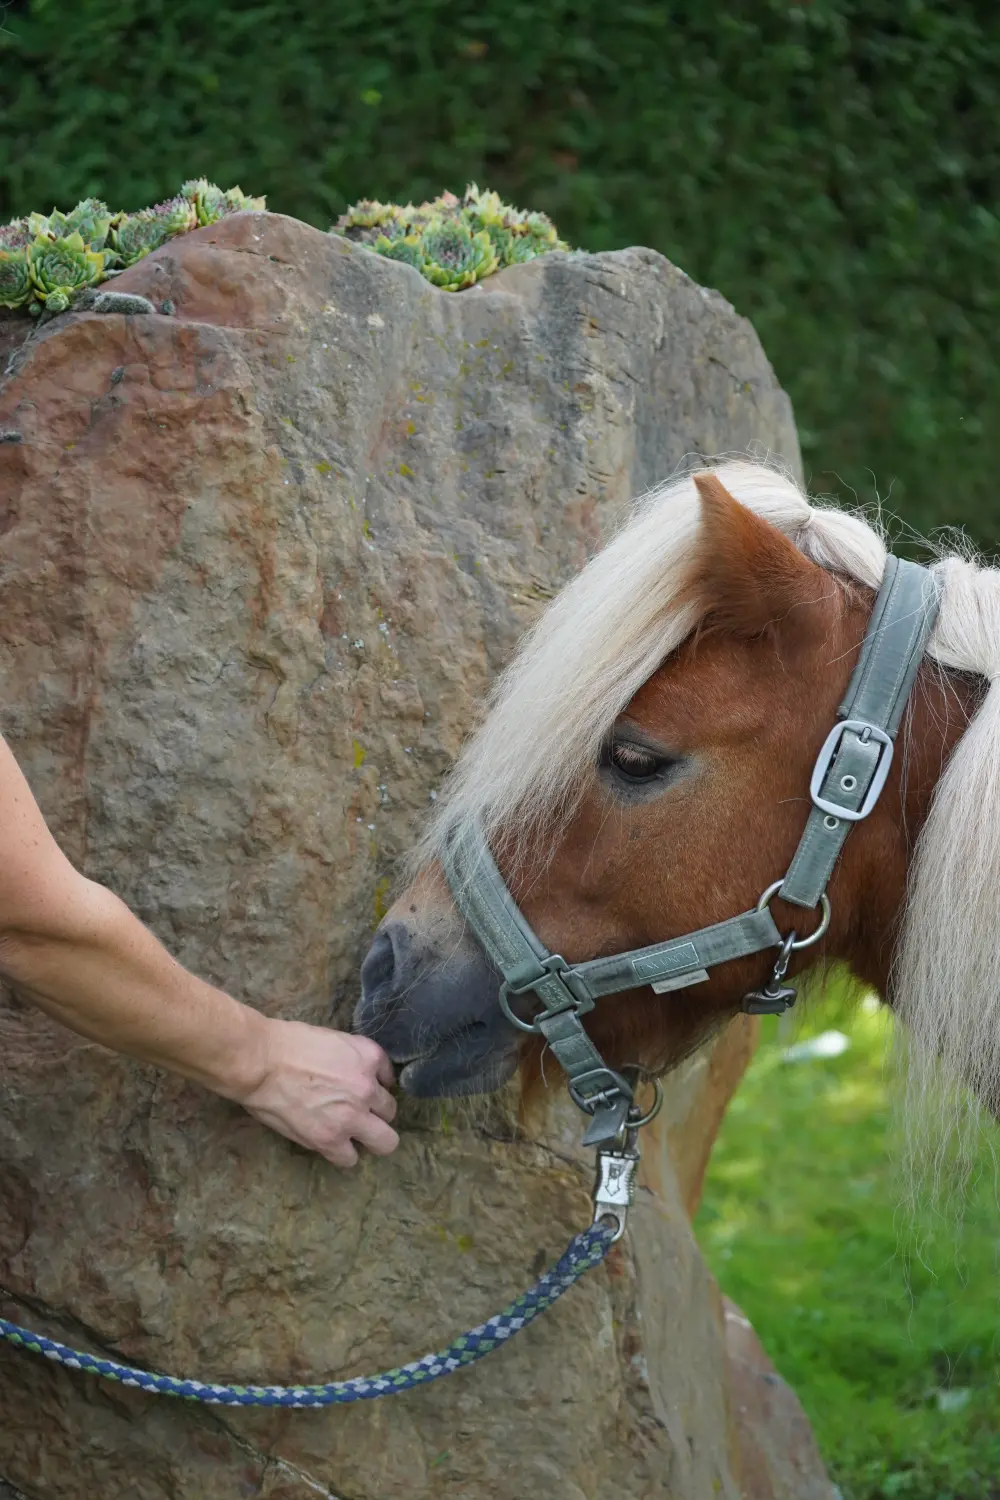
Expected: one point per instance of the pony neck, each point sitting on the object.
(874, 871)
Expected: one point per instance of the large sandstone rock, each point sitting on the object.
(261, 554)
(777, 1453)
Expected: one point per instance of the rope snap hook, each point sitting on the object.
(618, 1166)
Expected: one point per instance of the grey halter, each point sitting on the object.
(848, 777)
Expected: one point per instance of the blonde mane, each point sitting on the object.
(610, 629)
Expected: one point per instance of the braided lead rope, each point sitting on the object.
(584, 1251)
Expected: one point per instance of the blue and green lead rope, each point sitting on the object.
(584, 1251)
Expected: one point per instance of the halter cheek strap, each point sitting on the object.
(854, 762)
(848, 778)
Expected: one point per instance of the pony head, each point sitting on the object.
(643, 771)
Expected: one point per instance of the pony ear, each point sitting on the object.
(749, 578)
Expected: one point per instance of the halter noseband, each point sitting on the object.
(848, 777)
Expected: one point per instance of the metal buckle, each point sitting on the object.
(615, 1088)
(825, 759)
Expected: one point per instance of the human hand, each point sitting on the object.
(89, 962)
(325, 1090)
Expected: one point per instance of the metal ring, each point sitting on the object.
(643, 1077)
(532, 1027)
(824, 906)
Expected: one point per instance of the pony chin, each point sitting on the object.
(445, 1074)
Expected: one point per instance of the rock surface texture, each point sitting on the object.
(261, 554)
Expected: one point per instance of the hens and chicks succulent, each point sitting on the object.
(47, 260)
(453, 242)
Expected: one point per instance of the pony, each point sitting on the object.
(643, 771)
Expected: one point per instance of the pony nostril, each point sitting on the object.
(379, 967)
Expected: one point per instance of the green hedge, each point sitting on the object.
(833, 166)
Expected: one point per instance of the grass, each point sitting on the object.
(894, 1354)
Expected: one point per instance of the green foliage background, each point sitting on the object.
(883, 1320)
(832, 166)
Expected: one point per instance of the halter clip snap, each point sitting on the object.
(775, 998)
(618, 1165)
(614, 1191)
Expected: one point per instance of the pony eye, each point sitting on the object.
(633, 762)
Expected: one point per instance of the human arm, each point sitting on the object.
(86, 959)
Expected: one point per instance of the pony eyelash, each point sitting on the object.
(631, 757)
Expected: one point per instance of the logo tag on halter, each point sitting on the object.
(673, 970)
(679, 981)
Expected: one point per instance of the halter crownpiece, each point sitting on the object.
(848, 778)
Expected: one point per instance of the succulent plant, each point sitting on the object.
(455, 256)
(522, 248)
(486, 210)
(369, 212)
(209, 201)
(57, 301)
(177, 215)
(15, 282)
(47, 259)
(407, 248)
(453, 242)
(59, 268)
(91, 219)
(135, 235)
(540, 228)
(38, 224)
(237, 202)
(15, 235)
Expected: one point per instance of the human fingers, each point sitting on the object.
(373, 1056)
(369, 1094)
(343, 1154)
(374, 1133)
(381, 1102)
